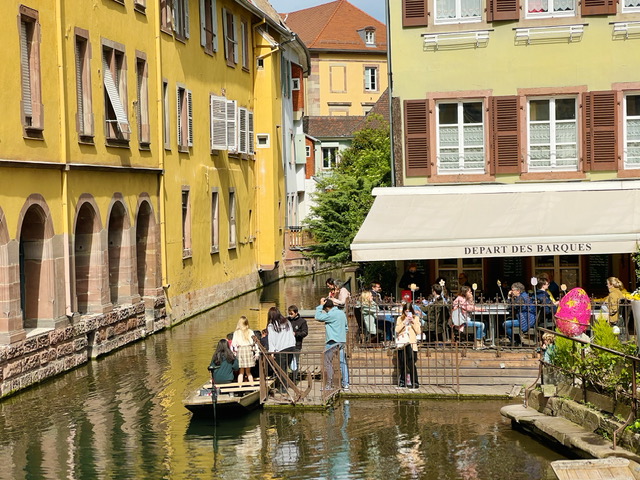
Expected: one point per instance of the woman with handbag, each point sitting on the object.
(407, 331)
(463, 306)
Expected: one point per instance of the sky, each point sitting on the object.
(375, 8)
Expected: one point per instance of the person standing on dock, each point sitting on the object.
(335, 324)
(300, 330)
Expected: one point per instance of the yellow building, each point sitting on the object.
(133, 193)
(348, 58)
(531, 103)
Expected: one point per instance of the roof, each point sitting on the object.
(345, 126)
(268, 10)
(333, 127)
(335, 26)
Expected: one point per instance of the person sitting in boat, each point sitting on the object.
(223, 363)
(246, 349)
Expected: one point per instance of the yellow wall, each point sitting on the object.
(353, 65)
(269, 168)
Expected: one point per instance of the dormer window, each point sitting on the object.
(370, 37)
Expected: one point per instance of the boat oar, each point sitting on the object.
(214, 395)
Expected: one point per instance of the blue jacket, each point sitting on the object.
(543, 299)
(526, 312)
(335, 322)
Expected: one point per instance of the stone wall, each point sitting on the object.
(45, 355)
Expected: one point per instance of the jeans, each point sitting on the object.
(479, 326)
(508, 327)
(328, 357)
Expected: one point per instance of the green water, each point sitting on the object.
(122, 417)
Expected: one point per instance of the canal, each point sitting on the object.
(121, 417)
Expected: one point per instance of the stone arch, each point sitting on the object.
(11, 324)
(90, 266)
(147, 248)
(41, 297)
(120, 253)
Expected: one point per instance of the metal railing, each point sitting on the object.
(297, 238)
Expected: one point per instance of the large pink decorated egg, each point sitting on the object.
(574, 313)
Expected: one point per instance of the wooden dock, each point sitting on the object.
(445, 371)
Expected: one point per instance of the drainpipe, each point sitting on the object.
(161, 154)
(390, 80)
(64, 152)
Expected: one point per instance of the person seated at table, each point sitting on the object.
(436, 315)
(524, 311)
(223, 364)
(463, 307)
(544, 302)
(337, 292)
(369, 312)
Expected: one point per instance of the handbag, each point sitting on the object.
(458, 318)
(403, 338)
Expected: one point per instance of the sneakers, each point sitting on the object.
(346, 388)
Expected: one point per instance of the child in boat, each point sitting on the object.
(245, 349)
(223, 363)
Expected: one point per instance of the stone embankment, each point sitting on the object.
(46, 353)
(584, 431)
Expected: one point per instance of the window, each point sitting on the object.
(553, 133)
(142, 108)
(230, 38)
(370, 37)
(215, 221)
(115, 87)
(32, 119)
(181, 18)
(460, 136)
(307, 151)
(565, 268)
(631, 6)
(166, 15)
(186, 223)
(245, 45)
(166, 122)
(632, 131)
(84, 118)
(550, 8)
(329, 157)
(451, 268)
(185, 119)
(371, 79)
(208, 26)
(232, 218)
(140, 5)
(218, 108)
(459, 11)
(263, 140)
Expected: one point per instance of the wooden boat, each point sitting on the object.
(232, 397)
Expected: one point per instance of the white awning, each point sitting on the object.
(471, 221)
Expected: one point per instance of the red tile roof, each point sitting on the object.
(335, 26)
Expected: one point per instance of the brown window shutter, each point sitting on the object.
(600, 122)
(505, 134)
(599, 7)
(414, 13)
(416, 137)
(498, 10)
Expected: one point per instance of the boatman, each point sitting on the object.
(335, 324)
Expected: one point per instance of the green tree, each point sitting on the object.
(343, 196)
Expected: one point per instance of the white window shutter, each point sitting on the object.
(232, 133)
(190, 119)
(225, 33)
(242, 136)
(218, 122)
(214, 23)
(235, 40)
(250, 133)
(203, 24)
(179, 119)
(186, 19)
(114, 97)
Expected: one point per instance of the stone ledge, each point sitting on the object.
(583, 442)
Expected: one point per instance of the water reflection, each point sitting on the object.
(122, 417)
